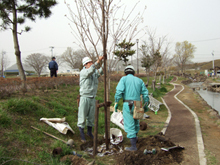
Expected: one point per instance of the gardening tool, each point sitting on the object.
(153, 151)
(69, 143)
(167, 149)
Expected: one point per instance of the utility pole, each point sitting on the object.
(213, 62)
(2, 73)
(51, 51)
(137, 40)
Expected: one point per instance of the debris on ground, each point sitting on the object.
(59, 124)
(101, 150)
(153, 145)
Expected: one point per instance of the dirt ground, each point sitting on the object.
(173, 156)
(181, 131)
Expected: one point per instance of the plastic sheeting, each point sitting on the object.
(59, 124)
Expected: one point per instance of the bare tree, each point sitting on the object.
(74, 58)
(96, 25)
(88, 22)
(4, 62)
(184, 53)
(158, 51)
(37, 61)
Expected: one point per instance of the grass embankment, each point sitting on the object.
(20, 144)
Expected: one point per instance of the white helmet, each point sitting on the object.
(129, 68)
(86, 60)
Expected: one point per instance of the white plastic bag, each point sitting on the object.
(117, 118)
(115, 136)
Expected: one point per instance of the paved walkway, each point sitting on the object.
(182, 128)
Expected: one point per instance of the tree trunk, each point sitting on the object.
(165, 73)
(18, 52)
(2, 64)
(148, 76)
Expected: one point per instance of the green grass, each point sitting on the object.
(211, 158)
(20, 143)
(5, 119)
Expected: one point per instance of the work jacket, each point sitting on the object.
(131, 87)
(88, 81)
(53, 65)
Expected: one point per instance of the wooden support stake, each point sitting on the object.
(153, 85)
(96, 129)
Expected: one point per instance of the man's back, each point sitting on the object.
(131, 88)
(53, 65)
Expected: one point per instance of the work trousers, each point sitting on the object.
(131, 125)
(86, 112)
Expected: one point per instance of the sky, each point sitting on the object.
(197, 21)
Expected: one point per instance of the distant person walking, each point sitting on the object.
(53, 67)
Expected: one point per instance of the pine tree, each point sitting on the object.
(16, 12)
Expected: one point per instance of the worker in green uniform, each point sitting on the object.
(88, 88)
(130, 88)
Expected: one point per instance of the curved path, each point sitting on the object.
(184, 128)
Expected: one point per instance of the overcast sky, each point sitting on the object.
(197, 21)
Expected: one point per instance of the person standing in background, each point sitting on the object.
(53, 67)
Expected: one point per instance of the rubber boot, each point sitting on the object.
(89, 132)
(82, 135)
(133, 145)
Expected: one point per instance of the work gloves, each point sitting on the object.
(116, 107)
(145, 107)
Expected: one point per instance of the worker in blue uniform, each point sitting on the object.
(130, 88)
(88, 88)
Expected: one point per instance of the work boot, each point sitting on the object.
(133, 145)
(89, 132)
(82, 135)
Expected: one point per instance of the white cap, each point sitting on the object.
(86, 60)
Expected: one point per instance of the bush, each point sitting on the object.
(163, 89)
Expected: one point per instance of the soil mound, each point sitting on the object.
(173, 156)
(152, 142)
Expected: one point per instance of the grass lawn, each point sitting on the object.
(20, 144)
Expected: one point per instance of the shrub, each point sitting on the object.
(163, 89)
